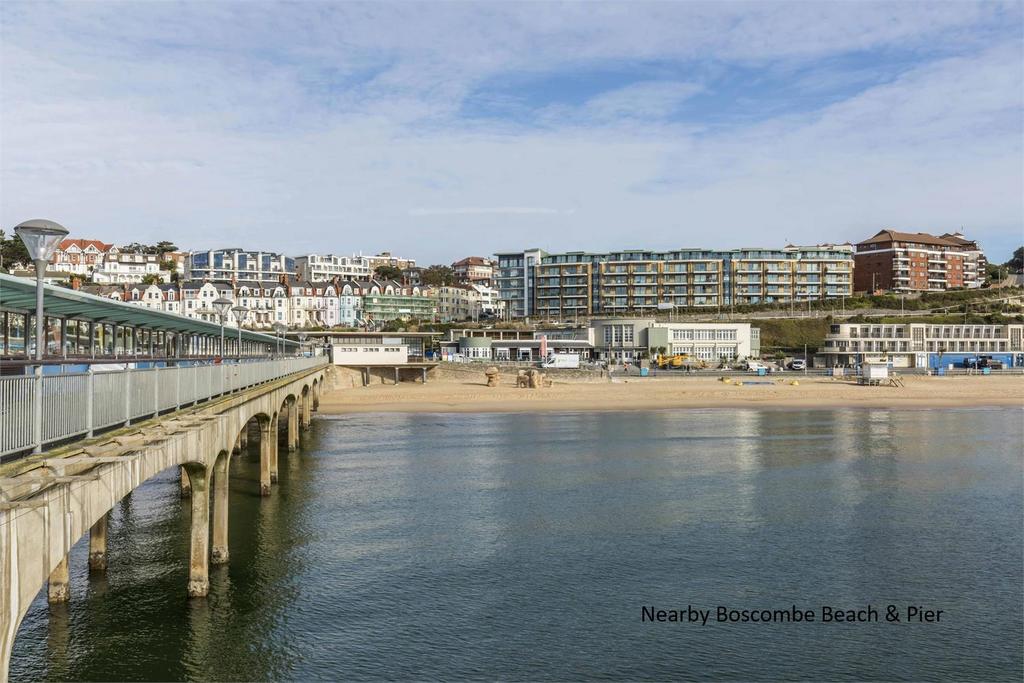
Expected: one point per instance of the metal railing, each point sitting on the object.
(36, 410)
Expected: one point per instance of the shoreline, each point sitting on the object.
(449, 395)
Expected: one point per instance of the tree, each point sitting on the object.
(151, 279)
(1016, 264)
(12, 250)
(387, 272)
(438, 276)
(159, 248)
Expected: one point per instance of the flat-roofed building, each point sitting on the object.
(514, 279)
(922, 345)
(318, 267)
(576, 284)
(237, 264)
(630, 339)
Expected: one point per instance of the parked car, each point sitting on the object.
(755, 366)
(798, 364)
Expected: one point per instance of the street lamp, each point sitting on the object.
(223, 306)
(280, 328)
(41, 238)
(240, 312)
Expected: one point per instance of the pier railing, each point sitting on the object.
(40, 409)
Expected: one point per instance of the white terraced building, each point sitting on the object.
(922, 345)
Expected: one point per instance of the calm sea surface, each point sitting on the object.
(525, 547)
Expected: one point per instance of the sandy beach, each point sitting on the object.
(468, 394)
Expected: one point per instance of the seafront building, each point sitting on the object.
(921, 345)
(617, 340)
(237, 264)
(904, 262)
(575, 284)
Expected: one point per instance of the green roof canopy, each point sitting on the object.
(19, 294)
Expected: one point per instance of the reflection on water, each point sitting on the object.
(523, 546)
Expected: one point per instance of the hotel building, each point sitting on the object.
(905, 262)
(573, 284)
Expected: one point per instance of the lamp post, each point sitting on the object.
(41, 238)
(240, 312)
(222, 306)
(280, 328)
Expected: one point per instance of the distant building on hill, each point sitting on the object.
(905, 262)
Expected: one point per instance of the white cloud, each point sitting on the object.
(486, 210)
(337, 127)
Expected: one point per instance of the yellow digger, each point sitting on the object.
(675, 361)
(678, 361)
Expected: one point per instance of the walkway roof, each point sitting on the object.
(19, 294)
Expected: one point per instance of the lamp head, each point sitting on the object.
(222, 305)
(41, 237)
(240, 312)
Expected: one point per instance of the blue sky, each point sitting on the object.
(439, 130)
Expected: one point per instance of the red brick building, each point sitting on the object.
(917, 262)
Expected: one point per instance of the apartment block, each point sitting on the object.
(237, 264)
(905, 262)
(514, 279)
(320, 267)
(641, 282)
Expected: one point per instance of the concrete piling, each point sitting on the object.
(186, 485)
(98, 545)
(268, 442)
(59, 589)
(199, 549)
(219, 553)
(293, 426)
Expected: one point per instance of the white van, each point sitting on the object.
(562, 360)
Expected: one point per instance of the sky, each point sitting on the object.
(441, 130)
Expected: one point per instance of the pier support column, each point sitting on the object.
(307, 409)
(59, 587)
(396, 375)
(424, 370)
(186, 485)
(199, 550)
(237, 448)
(268, 442)
(98, 545)
(293, 425)
(275, 447)
(219, 552)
